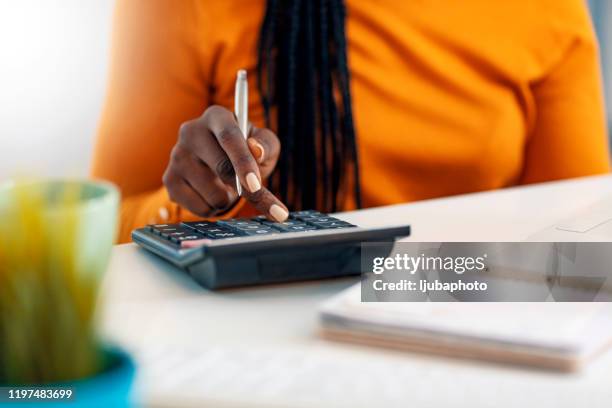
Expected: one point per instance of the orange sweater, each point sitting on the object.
(449, 97)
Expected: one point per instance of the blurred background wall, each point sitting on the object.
(53, 64)
(54, 56)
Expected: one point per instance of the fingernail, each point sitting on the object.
(259, 154)
(253, 182)
(278, 213)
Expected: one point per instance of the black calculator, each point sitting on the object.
(252, 251)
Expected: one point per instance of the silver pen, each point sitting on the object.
(241, 110)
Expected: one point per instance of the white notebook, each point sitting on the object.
(553, 335)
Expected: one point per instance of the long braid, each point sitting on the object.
(325, 126)
(304, 81)
(348, 130)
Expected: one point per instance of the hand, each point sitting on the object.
(210, 150)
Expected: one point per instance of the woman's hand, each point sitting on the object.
(210, 150)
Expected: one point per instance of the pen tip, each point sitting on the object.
(242, 74)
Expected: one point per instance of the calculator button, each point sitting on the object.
(298, 228)
(285, 223)
(180, 238)
(283, 226)
(251, 227)
(295, 227)
(174, 232)
(200, 225)
(220, 234)
(305, 213)
(261, 231)
(239, 223)
(163, 229)
(315, 217)
(332, 224)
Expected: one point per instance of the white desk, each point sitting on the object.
(242, 336)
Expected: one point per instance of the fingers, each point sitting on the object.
(182, 193)
(224, 127)
(187, 175)
(210, 152)
(266, 203)
(265, 147)
(194, 186)
(208, 185)
(195, 137)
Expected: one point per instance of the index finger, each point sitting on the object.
(222, 123)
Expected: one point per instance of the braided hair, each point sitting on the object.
(303, 79)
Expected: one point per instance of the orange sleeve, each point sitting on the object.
(158, 79)
(569, 137)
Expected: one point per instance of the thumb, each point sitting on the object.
(257, 150)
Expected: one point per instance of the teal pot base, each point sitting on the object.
(110, 388)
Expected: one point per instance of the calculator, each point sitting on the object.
(252, 251)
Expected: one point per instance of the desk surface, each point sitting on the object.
(260, 345)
